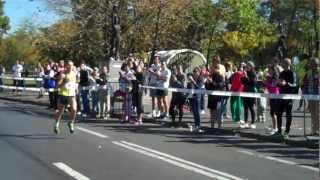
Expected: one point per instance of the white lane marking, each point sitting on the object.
(246, 152)
(183, 161)
(310, 168)
(193, 169)
(68, 170)
(92, 132)
(279, 160)
(177, 161)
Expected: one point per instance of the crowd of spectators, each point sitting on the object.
(96, 89)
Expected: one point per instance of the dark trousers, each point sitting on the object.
(249, 106)
(85, 101)
(78, 102)
(202, 102)
(284, 106)
(1, 83)
(195, 104)
(137, 100)
(53, 98)
(176, 103)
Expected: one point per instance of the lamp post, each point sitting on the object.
(156, 34)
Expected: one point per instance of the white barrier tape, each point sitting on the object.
(25, 79)
(27, 88)
(241, 94)
(36, 79)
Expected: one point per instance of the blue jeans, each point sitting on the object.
(196, 101)
(85, 101)
(95, 101)
(224, 106)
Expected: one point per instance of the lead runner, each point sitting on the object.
(67, 84)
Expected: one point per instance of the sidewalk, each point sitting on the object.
(297, 137)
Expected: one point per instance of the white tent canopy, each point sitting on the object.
(189, 59)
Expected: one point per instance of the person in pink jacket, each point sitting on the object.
(272, 88)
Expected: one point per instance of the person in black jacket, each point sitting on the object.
(178, 99)
(216, 82)
(137, 92)
(287, 84)
(84, 84)
(250, 85)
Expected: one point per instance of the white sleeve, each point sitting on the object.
(51, 74)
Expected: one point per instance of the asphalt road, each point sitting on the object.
(30, 151)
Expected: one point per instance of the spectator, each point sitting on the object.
(50, 85)
(216, 82)
(84, 84)
(94, 79)
(39, 70)
(24, 74)
(272, 88)
(126, 78)
(16, 73)
(153, 81)
(236, 102)
(287, 85)
(104, 93)
(312, 86)
(228, 75)
(164, 76)
(137, 92)
(196, 82)
(178, 99)
(2, 72)
(250, 85)
(261, 101)
(205, 74)
(61, 67)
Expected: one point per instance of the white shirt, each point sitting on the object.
(17, 70)
(165, 74)
(153, 78)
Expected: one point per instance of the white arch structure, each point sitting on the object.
(169, 55)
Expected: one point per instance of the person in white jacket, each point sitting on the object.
(16, 73)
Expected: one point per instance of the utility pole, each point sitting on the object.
(316, 27)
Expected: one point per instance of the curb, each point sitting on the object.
(24, 101)
(312, 144)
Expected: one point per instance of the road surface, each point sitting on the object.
(99, 151)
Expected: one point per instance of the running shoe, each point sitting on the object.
(277, 135)
(56, 128)
(253, 126)
(286, 136)
(71, 127)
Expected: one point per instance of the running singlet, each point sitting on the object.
(69, 89)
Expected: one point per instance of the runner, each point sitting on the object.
(67, 84)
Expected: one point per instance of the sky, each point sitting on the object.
(35, 10)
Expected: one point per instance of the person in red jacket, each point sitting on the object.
(237, 86)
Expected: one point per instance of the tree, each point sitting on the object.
(4, 21)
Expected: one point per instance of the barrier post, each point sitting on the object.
(304, 118)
